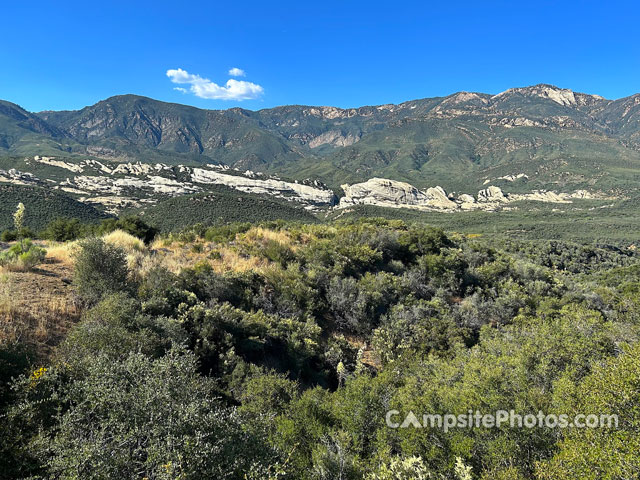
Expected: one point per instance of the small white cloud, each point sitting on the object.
(205, 88)
(237, 72)
(180, 89)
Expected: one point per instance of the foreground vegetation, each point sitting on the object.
(275, 351)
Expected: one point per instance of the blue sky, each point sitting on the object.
(68, 54)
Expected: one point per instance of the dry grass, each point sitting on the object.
(37, 308)
(124, 240)
(228, 260)
(61, 252)
(176, 256)
(263, 235)
(8, 305)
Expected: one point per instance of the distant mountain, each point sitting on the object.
(556, 137)
(21, 130)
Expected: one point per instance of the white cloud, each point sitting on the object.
(205, 88)
(237, 72)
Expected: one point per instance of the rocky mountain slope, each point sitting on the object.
(466, 151)
(417, 140)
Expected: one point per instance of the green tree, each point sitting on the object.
(63, 230)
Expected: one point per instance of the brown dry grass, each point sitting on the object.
(38, 307)
(176, 256)
(61, 252)
(124, 240)
(231, 261)
(262, 235)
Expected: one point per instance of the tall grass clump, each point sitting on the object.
(124, 240)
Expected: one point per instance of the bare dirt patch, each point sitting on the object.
(37, 307)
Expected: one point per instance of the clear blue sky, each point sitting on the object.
(68, 54)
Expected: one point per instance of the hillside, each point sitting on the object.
(303, 348)
(555, 136)
(42, 206)
(220, 206)
(523, 150)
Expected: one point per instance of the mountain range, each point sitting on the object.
(554, 136)
(461, 153)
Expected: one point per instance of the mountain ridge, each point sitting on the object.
(454, 140)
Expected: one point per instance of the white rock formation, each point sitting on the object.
(139, 168)
(72, 167)
(391, 193)
(278, 188)
(438, 198)
(561, 96)
(491, 194)
(115, 186)
(513, 177)
(382, 192)
(18, 178)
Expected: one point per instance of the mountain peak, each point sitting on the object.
(561, 96)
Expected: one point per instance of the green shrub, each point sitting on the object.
(63, 230)
(9, 236)
(100, 270)
(225, 233)
(144, 418)
(115, 327)
(22, 256)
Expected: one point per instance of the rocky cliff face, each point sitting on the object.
(378, 191)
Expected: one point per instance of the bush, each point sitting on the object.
(63, 230)
(100, 270)
(145, 418)
(13, 235)
(115, 327)
(9, 236)
(22, 256)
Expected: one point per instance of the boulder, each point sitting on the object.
(491, 194)
(438, 198)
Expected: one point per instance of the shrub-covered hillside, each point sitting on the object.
(276, 351)
(43, 206)
(222, 205)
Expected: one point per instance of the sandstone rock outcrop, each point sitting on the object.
(382, 192)
(278, 188)
(491, 194)
(391, 193)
